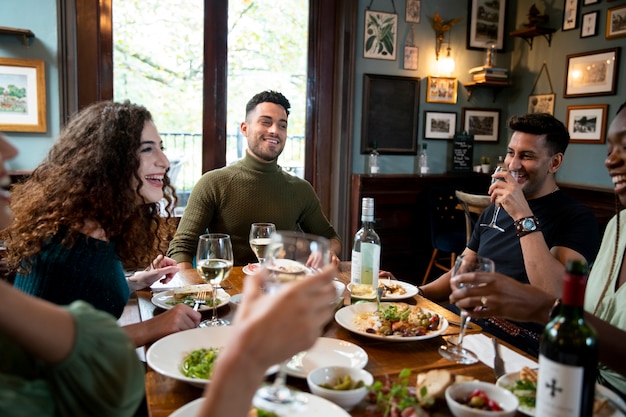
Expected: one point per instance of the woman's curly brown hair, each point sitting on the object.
(88, 176)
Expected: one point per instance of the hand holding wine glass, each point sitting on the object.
(291, 256)
(214, 261)
(492, 224)
(260, 238)
(465, 263)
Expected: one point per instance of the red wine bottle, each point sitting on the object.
(568, 354)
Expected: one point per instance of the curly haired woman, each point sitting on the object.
(90, 209)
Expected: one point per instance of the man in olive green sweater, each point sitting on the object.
(255, 189)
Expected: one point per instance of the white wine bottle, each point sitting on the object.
(366, 250)
(568, 353)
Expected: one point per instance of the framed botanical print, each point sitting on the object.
(380, 35)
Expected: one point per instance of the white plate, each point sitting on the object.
(327, 352)
(339, 287)
(411, 291)
(251, 269)
(236, 299)
(163, 298)
(345, 318)
(166, 355)
(508, 380)
(314, 407)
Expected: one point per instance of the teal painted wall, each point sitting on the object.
(40, 17)
(582, 162)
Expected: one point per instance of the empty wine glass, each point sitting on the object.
(465, 263)
(214, 261)
(260, 239)
(291, 256)
(492, 224)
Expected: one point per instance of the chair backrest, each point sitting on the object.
(473, 205)
(445, 217)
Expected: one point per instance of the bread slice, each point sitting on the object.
(436, 381)
(186, 290)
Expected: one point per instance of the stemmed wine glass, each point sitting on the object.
(291, 256)
(492, 224)
(463, 264)
(214, 261)
(260, 239)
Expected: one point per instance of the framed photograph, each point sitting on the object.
(591, 73)
(570, 15)
(413, 11)
(441, 90)
(587, 124)
(410, 57)
(390, 114)
(485, 24)
(22, 95)
(588, 2)
(541, 103)
(439, 125)
(616, 22)
(589, 25)
(380, 35)
(484, 124)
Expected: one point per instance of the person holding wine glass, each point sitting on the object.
(229, 199)
(605, 298)
(214, 261)
(260, 238)
(543, 227)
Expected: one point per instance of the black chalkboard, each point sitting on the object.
(390, 114)
(463, 153)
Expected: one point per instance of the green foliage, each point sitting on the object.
(398, 396)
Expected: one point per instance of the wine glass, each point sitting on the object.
(465, 263)
(214, 261)
(291, 256)
(492, 224)
(260, 238)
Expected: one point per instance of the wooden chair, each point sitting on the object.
(446, 228)
(472, 205)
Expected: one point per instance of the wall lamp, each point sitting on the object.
(446, 64)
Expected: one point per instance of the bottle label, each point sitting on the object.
(374, 170)
(559, 389)
(424, 170)
(366, 264)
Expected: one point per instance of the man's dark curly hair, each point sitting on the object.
(90, 176)
(557, 136)
(268, 97)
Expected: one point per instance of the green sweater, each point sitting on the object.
(230, 199)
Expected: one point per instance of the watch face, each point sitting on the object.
(529, 224)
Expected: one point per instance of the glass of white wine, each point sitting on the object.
(291, 256)
(492, 224)
(260, 238)
(214, 261)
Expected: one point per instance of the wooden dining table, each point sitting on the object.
(386, 359)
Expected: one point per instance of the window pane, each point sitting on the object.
(267, 50)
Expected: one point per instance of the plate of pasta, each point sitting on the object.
(395, 322)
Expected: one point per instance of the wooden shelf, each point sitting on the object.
(24, 35)
(529, 34)
(495, 87)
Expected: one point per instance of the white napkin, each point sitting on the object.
(482, 346)
(177, 281)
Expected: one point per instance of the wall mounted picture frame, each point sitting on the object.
(587, 124)
(485, 24)
(591, 73)
(541, 103)
(616, 22)
(570, 15)
(411, 54)
(439, 125)
(589, 24)
(441, 90)
(484, 124)
(22, 95)
(390, 114)
(376, 46)
(413, 11)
